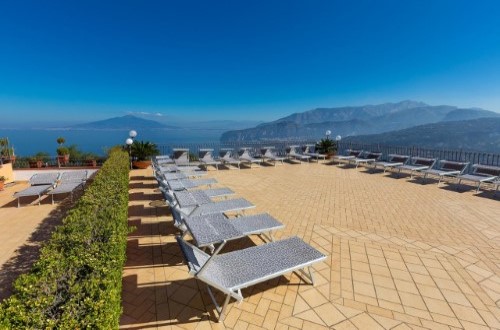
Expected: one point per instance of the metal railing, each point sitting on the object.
(52, 162)
(474, 157)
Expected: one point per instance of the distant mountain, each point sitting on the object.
(349, 121)
(125, 122)
(481, 134)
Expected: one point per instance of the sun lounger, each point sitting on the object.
(416, 164)
(291, 152)
(68, 183)
(366, 157)
(181, 156)
(211, 229)
(268, 154)
(230, 272)
(246, 158)
(393, 161)
(182, 175)
(446, 168)
(310, 150)
(40, 184)
(226, 157)
(206, 158)
(347, 156)
(481, 173)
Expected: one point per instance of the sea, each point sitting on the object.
(28, 142)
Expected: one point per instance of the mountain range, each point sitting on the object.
(354, 121)
(124, 122)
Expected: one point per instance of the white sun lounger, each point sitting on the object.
(393, 161)
(291, 152)
(416, 164)
(230, 272)
(482, 174)
(68, 183)
(349, 155)
(40, 184)
(226, 157)
(206, 158)
(268, 154)
(446, 168)
(246, 158)
(310, 150)
(181, 156)
(365, 157)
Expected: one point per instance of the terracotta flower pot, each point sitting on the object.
(141, 164)
(2, 184)
(91, 162)
(63, 159)
(35, 163)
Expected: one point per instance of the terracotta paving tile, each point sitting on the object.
(399, 266)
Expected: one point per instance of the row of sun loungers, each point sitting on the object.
(427, 167)
(211, 225)
(52, 184)
(228, 157)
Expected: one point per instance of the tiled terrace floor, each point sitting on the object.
(401, 255)
(23, 231)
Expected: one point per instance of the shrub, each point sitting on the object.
(77, 281)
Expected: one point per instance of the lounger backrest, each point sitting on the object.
(181, 156)
(225, 153)
(74, 176)
(194, 257)
(453, 166)
(373, 155)
(264, 151)
(486, 170)
(291, 150)
(244, 153)
(206, 154)
(354, 153)
(398, 158)
(423, 161)
(44, 178)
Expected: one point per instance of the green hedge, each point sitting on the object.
(77, 281)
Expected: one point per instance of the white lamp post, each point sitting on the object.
(129, 141)
(338, 138)
(328, 133)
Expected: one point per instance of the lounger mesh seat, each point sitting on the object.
(229, 205)
(182, 169)
(446, 168)
(218, 192)
(393, 161)
(163, 159)
(417, 164)
(188, 184)
(215, 228)
(181, 175)
(230, 272)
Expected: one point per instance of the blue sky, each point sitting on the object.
(257, 60)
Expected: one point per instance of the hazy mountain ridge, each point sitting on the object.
(481, 134)
(124, 122)
(350, 121)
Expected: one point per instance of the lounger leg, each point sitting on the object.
(18, 204)
(52, 199)
(308, 274)
(458, 184)
(478, 185)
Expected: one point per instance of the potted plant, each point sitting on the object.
(141, 152)
(327, 147)
(90, 159)
(2, 182)
(38, 160)
(6, 151)
(62, 152)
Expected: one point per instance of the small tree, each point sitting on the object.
(60, 140)
(143, 150)
(326, 146)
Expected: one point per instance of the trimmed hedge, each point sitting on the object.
(77, 281)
